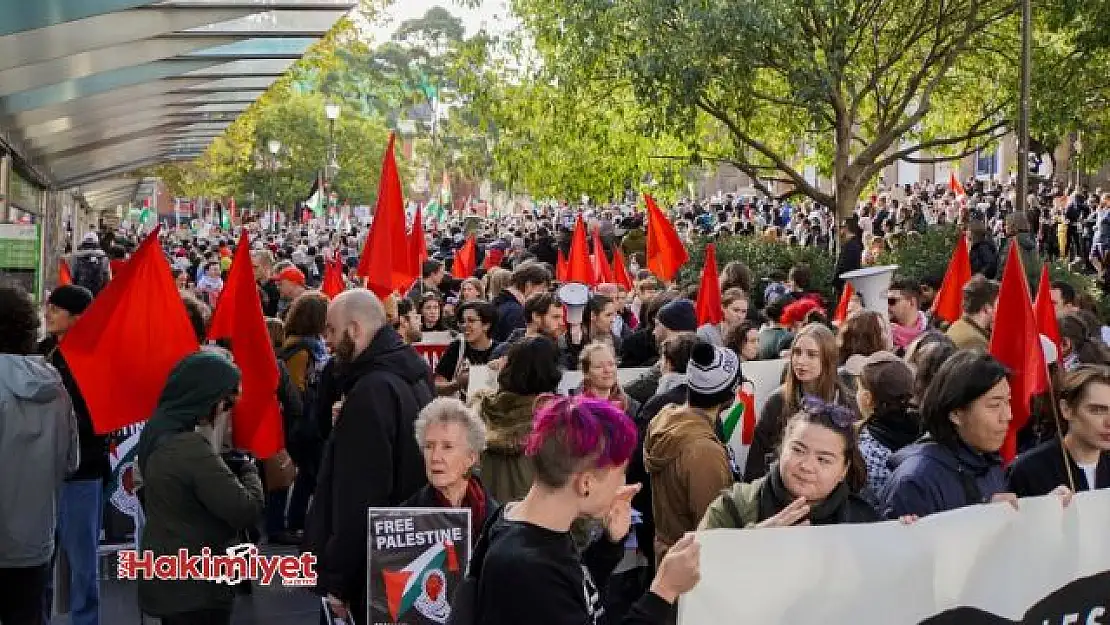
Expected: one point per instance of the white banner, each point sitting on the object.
(983, 565)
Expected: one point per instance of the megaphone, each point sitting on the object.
(574, 296)
(872, 283)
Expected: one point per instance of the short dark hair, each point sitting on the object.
(909, 288)
(19, 325)
(487, 312)
(199, 314)
(307, 315)
(926, 361)
(404, 306)
(530, 273)
(963, 378)
(677, 349)
(430, 267)
(1067, 291)
(531, 367)
(538, 304)
(979, 292)
(800, 276)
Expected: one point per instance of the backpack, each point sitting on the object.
(89, 271)
(306, 432)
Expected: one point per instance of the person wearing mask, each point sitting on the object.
(432, 273)
(904, 310)
(966, 416)
(39, 448)
(526, 566)
(973, 329)
(816, 481)
(890, 423)
(452, 438)
(192, 497)
(735, 303)
(598, 364)
(687, 464)
(545, 317)
(1085, 407)
(81, 499)
(531, 369)
(811, 371)
(675, 317)
(528, 278)
(371, 458)
(290, 283)
(474, 347)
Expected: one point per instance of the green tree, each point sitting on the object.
(850, 86)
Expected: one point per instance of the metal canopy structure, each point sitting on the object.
(92, 90)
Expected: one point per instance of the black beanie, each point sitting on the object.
(678, 316)
(71, 298)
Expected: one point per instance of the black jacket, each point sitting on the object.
(370, 460)
(94, 448)
(1041, 469)
(983, 258)
(639, 349)
(426, 498)
(850, 259)
(510, 316)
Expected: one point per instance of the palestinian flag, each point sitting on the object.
(123, 451)
(422, 581)
(738, 424)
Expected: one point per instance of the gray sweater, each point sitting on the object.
(38, 448)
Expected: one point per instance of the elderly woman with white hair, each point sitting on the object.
(452, 438)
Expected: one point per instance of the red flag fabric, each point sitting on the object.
(1045, 310)
(579, 267)
(665, 251)
(620, 270)
(842, 306)
(333, 283)
(1018, 347)
(949, 303)
(709, 309)
(418, 245)
(256, 419)
(134, 333)
(466, 259)
(602, 270)
(561, 268)
(955, 186)
(385, 255)
(493, 258)
(64, 275)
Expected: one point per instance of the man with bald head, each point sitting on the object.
(371, 458)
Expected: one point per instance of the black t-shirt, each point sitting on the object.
(449, 363)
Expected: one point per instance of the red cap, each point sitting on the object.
(291, 274)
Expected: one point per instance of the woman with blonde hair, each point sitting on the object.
(598, 363)
(497, 280)
(811, 372)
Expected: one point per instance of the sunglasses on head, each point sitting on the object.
(839, 416)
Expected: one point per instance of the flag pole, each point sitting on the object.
(1060, 430)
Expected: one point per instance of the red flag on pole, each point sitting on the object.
(134, 332)
(333, 283)
(955, 186)
(602, 270)
(466, 259)
(561, 268)
(64, 275)
(842, 306)
(1018, 347)
(620, 269)
(418, 245)
(949, 304)
(1045, 310)
(709, 309)
(665, 251)
(256, 420)
(385, 256)
(579, 267)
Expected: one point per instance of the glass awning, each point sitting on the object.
(91, 88)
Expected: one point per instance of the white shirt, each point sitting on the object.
(1089, 471)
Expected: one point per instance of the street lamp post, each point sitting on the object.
(331, 110)
(274, 146)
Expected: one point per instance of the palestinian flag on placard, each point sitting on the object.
(315, 201)
(403, 588)
(738, 424)
(123, 450)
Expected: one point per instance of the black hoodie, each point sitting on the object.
(370, 460)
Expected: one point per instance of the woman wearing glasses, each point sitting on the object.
(193, 498)
(816, 480)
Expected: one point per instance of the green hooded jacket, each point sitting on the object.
(191, 498)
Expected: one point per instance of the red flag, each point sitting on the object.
(955, 186)
(1046, 311)
(665, 252)
(256, 420)
(620, 269)
(709, 309)
(64, 275)
(561, 268)
(418, 245)
(333, 283)
(385, 255)
(602, 270)
(134, 333)
(1018, 347)
(493, 258)
(579, 267)
(466, 259)
(842, 306)
(949, 303)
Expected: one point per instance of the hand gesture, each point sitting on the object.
(789, 516)
(680, 569)
(618, 521)
(1009, 498)
(1064, 493)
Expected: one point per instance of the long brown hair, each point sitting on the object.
(826, 387)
